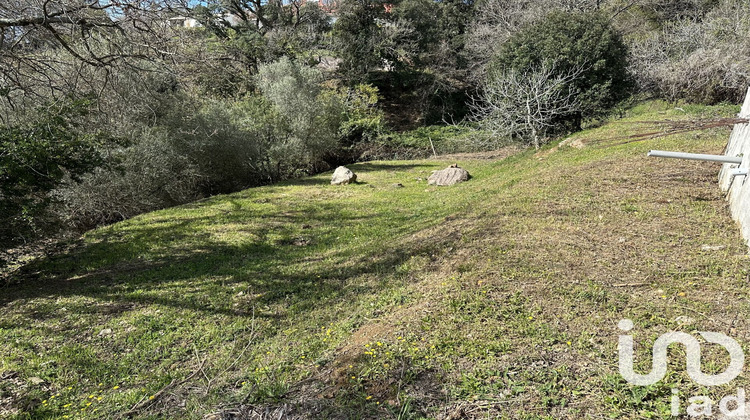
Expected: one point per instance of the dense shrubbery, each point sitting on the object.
(148, 175)
(413, 50)
(704, 60)
(583, 45)
(35, 158)
(166, 114)
(551, 75)
(196, 148)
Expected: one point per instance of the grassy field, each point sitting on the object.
(496, 298)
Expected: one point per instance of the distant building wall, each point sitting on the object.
(738, 188)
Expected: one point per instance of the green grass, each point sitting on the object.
(424, 141)
(499, 297)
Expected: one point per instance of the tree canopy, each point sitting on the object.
(582, 43)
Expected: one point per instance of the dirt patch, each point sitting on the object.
(575, 143)
(15, 393)
(11, 386)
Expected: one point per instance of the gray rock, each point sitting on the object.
(343, 176)
(448, 176)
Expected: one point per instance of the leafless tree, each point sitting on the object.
(526, 105)
(48, 45)
(704, 60)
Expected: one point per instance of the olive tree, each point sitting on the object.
(308, 117)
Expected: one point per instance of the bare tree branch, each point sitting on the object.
(43, 20)
(40, 38)
(526, 105)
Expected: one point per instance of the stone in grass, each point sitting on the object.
(343, 176)
(448, 176)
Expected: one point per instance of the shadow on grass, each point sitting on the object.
(110, 269)
(224, 263)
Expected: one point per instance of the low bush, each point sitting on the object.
(37, 157)
(148, 175)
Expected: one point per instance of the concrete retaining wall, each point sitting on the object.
(738, 188)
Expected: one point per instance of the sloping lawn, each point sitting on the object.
(499, 297)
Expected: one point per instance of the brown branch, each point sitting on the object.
(674, 127)
(68, 48)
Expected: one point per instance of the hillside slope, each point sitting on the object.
(498, 297)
